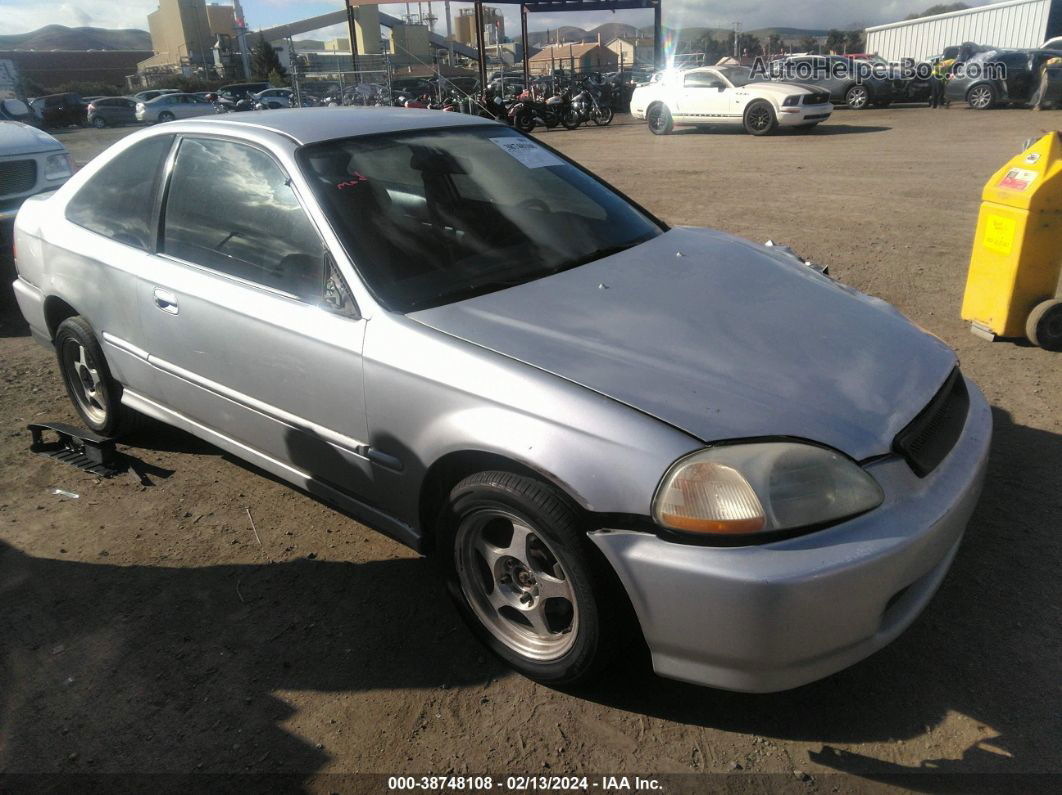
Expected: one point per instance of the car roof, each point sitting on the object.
(312, 125)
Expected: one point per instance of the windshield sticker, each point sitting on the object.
(1018, 179)
(528, 153)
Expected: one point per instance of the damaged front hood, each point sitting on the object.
(719, 337)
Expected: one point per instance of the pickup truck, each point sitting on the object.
(31, 162)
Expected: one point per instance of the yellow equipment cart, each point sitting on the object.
(1017, 253)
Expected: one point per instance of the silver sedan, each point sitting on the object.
(606, 429)
(169, 107)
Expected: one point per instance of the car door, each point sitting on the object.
(704, 97)
(238, 320)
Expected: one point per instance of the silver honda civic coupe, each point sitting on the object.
(605, 429)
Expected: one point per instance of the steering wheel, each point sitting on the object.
(534, 204)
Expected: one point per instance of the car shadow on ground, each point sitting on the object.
(988, 647)
(826, 128)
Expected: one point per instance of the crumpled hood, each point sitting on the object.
(17, 138)
(728, 341)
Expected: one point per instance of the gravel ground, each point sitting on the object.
(145, 628)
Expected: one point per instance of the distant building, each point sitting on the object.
(411, 42)
(337, 45)
(184, 34)
(465, 27)
(631, 51)
(590, 57)
(1018, 24)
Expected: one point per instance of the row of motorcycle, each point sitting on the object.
(569, 108)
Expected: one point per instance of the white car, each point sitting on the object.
(168, 107)
(718, 95)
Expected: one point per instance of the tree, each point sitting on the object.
(264, 60)
(277, 80)
(749, 45)
(809, 44)
(775, 43)
(835, 40)
(854, 41)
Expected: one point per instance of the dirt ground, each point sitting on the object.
(147, 628)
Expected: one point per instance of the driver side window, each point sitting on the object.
(702, 80)
(231, 208)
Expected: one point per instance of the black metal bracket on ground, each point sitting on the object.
(83, 449)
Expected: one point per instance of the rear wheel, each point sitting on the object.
(521, 571)
(524, 120)
(659, 119)
(96, 396)
(99, 122)
(760, 118)
(550, 119)
(166, 116)
(570, 119)
(981, 97)
(1044, 326)
(857, 97)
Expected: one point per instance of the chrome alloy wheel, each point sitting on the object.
(86, 385)
(857, 97)
(981, 97)
(515, 584)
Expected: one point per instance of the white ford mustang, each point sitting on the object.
(717, 95)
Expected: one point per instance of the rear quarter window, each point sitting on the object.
(118, 201)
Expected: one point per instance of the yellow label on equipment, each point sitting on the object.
(999, 234)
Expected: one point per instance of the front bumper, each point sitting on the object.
(770, 618)
(804, 114)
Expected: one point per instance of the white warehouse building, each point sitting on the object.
(1013, 24)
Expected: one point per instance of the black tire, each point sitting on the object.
(760, 118)
(166, 116)
(524, 120)
(659, 119)
(982, 96)
(96, 396)
(480, 507)
(1044, 326)
(603, 116)
(570, 119)
(550, 119)
(99, 122)
(857, 97)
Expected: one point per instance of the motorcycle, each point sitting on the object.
(528, 112)
(587, 107)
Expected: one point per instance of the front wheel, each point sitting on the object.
(521, 571)
(166, 116)
(550, 119)
(857, 97)
(760, 118)
(603, 116)
(659, 119)
(570, 119)
(524, 121)
(99, 122)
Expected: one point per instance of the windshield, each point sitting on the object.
(432, 217)
(15, 107)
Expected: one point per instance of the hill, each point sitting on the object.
(60, 37)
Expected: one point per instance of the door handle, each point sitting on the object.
(166, 301)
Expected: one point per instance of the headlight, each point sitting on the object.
(58, 166)
(791, 101)
(762, 487)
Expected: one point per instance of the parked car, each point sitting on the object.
(727, 96)
(274, 98)
(59, 110)
(12, 109)
(31, 162)
(152, 93)
(837, 75)
(595, 422)
(238, 91)
(1018, 79)
(173, 106)
(112, 111)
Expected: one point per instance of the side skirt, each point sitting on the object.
(344, 502)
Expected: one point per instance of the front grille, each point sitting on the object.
(17, 176)
(816, 99)
(933, 433)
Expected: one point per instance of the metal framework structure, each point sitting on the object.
(531, 6)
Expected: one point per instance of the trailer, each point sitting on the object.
(1016, 24)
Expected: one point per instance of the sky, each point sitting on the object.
(26, 15)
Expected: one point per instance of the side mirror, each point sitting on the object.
(337, 295)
